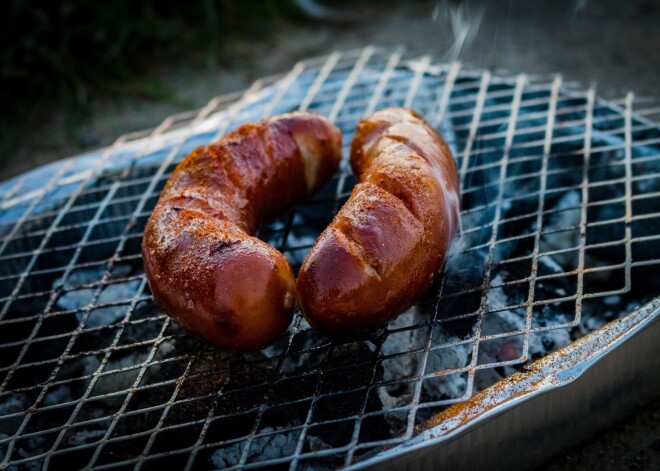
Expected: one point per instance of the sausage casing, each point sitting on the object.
(203, 264)
(384, 247)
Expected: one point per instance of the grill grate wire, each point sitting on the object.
(560, 211)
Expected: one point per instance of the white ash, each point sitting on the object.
(438, 360)
(543, 343)
(262, 448)
(595, 316)
(455, 264)
(227, 456)
(406, 366)
(399, 367)
(612, 300)
(568, 207)
(550, 265)
(458, 356)
(117, 380)
(510, 347)
(166, 348)
(273, 446)
(74, 299)
(509, 321)
(444, 359)
(119, 291)
(295, 240)
(295, 361)
(93, 274)
(317, 443)
(85, 436)
(111, 314)
(58, 395)
(37, 442)
(568, 217)
(590, 323)
(13, 403)
(104, 316)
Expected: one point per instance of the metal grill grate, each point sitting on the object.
(560, 229)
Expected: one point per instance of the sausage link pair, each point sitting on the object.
(203, 265)
(383, 248)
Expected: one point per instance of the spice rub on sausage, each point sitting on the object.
(383, 248)
(202, 262)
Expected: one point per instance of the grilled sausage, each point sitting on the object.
(203, 265)
(383, 248)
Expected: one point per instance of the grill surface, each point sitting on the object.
(560, 228)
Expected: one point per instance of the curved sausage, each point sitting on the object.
(383, 248)
(203, 265)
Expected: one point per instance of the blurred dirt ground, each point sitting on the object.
(616, 44)
(631, 445)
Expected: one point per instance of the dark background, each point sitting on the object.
(76, 74)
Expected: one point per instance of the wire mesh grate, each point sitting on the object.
(560, 213)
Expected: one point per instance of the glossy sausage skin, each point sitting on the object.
(203, 265)
(383, 248)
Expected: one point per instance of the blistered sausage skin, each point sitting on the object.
(202, 262)
(384, 247)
